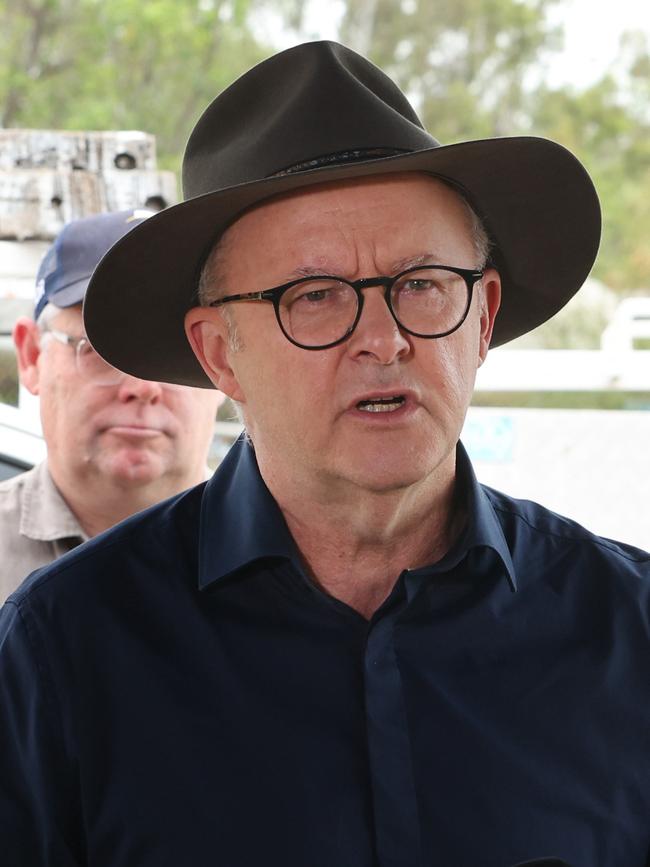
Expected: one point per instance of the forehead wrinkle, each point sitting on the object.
(323, 261)
(428, 258)
(344, 239)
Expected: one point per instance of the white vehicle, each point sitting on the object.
(21, 441)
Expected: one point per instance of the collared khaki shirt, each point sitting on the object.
(36, 526)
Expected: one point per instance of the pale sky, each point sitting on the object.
(592, 32)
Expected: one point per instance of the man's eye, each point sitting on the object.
(418, 285)
(315, 295)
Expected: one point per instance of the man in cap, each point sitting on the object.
(116, 444)
(342, 650)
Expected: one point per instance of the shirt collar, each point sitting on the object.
(483, 528)
(45, 516)
(249, 523)
(251, 526)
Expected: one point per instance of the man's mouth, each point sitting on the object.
(381, 404)
(134, 431)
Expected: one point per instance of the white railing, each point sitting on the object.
(565, 370)
(631, 321)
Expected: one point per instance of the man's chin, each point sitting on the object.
(134, 467)
(394, 470)
(380, 477)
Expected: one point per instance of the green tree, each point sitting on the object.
(464, 62)
(608, 127)
(474, 69)
(121, 64)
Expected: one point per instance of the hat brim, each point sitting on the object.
(68, 296)
(536, 199)
(72, 294)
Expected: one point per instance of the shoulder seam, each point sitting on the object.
(49, 691)
(56, 568)
(586, 538)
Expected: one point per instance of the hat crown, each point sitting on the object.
(317, 100)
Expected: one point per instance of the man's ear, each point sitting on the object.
(209, 337)
(27, 342)
(490, 301)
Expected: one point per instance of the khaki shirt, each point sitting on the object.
(36, 526)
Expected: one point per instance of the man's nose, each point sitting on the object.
(144, 390)
(377, 333)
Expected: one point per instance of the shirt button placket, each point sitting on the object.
(389, 748)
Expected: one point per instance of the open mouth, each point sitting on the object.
(382, 404)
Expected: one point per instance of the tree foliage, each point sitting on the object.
(121, 64)
(463, 61)
(608, 127)
(474, 68)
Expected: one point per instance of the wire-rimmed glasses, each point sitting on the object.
(89, 363)
(318, 312)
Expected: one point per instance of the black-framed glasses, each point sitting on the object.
(317, 312)
(89, 364)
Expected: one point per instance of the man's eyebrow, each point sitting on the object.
(308, 271)
(430, 258)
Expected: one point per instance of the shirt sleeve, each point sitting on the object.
(37, 816)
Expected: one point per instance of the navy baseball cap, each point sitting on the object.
(67, 267)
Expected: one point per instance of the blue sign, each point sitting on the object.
(490, 438)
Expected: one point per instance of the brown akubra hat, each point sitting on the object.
(320, 112)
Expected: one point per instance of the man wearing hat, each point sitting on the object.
(115, 443)
(342, 650)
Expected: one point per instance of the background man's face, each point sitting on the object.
(133, 433)
(301, 407)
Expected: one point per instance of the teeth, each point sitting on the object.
(386, 404)
(380, 407)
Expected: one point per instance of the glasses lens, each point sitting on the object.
(92, 366)
(430, 301)
(318, 311)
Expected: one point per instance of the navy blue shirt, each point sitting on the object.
(176, 693)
